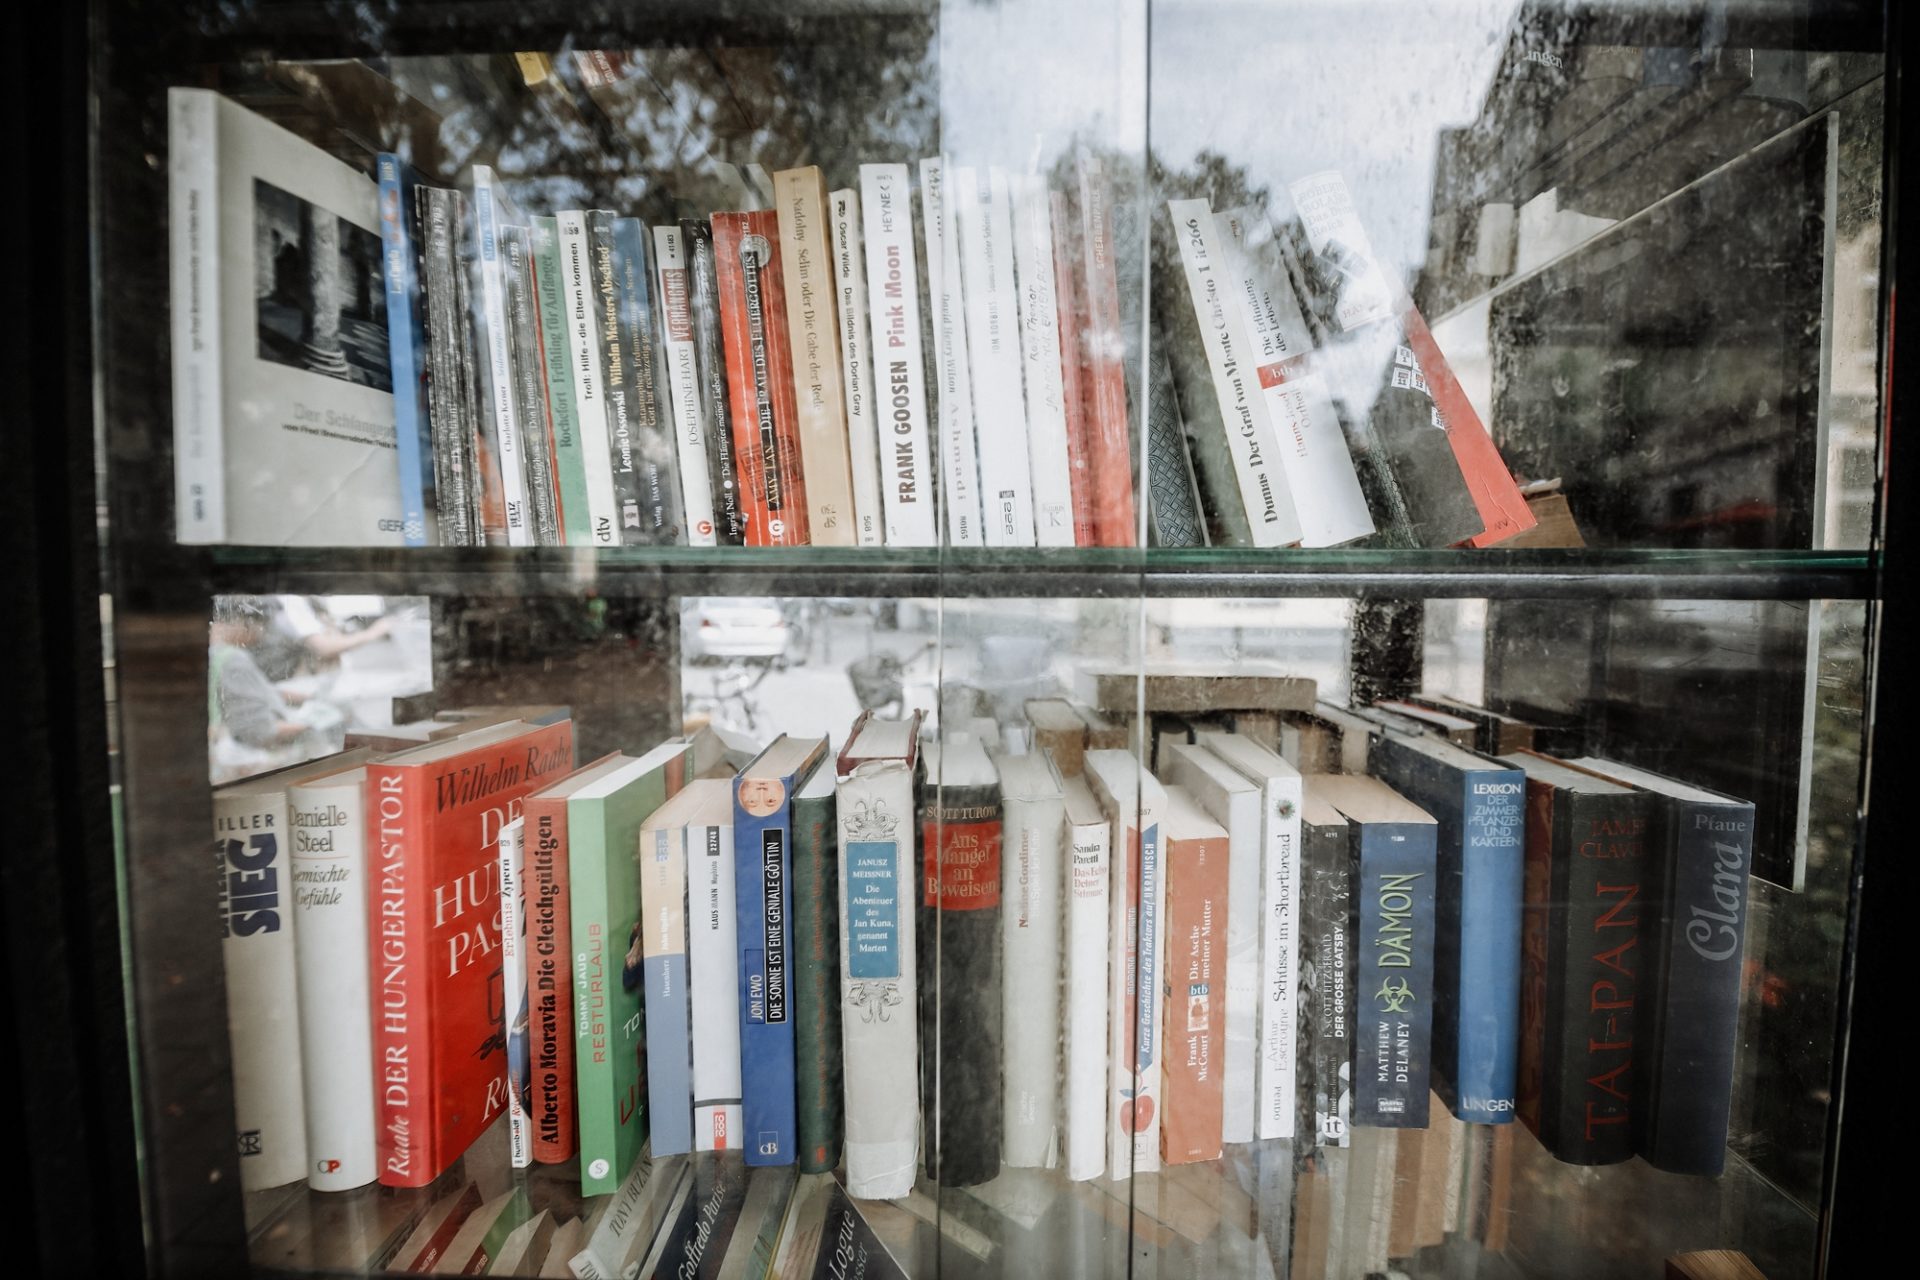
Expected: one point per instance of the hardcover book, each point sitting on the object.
(513, 989)
(763, 875)
(1330, 967)
(662, 865)
(439, 1032)
(716, 420)
(815, 917)
(1085, 891)
(1392, 916)
(586, 319)
(569, 451)
(753, 324)
(899, 365)
(282, 388)
(604, 817)
(1702, 854)
(1586, 886)
(856, 365)
(680, 401)
(800, 202)
(406, 348)
(1110, 452)
(1034, 807)
(879, 1008)
(1040, 353)
(713, 965)
(1195, 960)
(1479, 806)
(959, 464)
(1058, 729)
(980, 217)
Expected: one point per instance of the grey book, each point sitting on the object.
(529, 371)
(440, 213)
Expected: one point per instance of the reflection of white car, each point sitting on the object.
(713, 630)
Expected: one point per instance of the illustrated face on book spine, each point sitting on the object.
(761, 797)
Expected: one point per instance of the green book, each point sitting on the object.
(816, 973)
(569, 458)
(610, 1052)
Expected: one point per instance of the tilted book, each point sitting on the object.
(981, 217)
(1134, 803)
(513, 988)
(661, 515)
(1085, 889)
(1195, 962)
(1702, 851)
(815, 916)
(763, 875)
(282, 392)
(1329, 963)
(907, 483)
(406, 347)
(493, 212)
(753, 323)
(1392, 848)
(1580, 947)
(569, 452)
(680, 402)
(604, 818)
(586, 362)
(439, 1033)
(1030, 860)
(856, 365)
(529, 363)
(879, 1002)
(620, 1234)
(662, 864)
(953, 381)
(1479, 805)
(800, 201)
(1109, 446)
(1040, 354)
(716, 422)
(713, 966)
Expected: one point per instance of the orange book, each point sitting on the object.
(1109, 452)
(1495, 496)
(753, 330)
(1073, 372)
(1195, 966)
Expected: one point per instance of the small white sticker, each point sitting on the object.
(598, 1169)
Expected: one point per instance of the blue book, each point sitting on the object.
(406, 348)
(649, 418)
(662, 858)
(1392, 846)
(1480, 808)
(763, 869)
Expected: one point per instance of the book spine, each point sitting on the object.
(1541, 961)
(1106, 430)
(1195, 988)
(1268, 503)
(713, 958)
(663, 929)
(569, 458)
(1486, 1002)
(597, 972)
(1138, 928)
(647, 411)
(1085, 892)
(800, 200)
(816, 983)
(1040, 352)
(579, 276)
(959, 469)
(456, 463)
(683, 385)
(879, 1000)
(1281, 889)
(763, 870)
(716, 423)
(899, 368)
(529, 366)
(1173, 497)
(856, 366)
(488, 222)
(556, 1136)
(1030, 942)
(1330, 875)
(1683, 1094)
(193, 203)
(960, 841)
(513, 986)
(327, 831)
(617, 380)
(403, 1044)
(1073, 373)
(983, 226)
(411, 438)
(753, 326)
(1394, 925)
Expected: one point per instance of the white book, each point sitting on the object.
(1328, 216)
(1133, 802)
(1040, 354)
(327, 832)
(492, 210)
(283, 414)
(589, 391)
(1313, 448)
(1275, 1073)
(1085, 892)
(683, 385)
(1233, 802)
(1032, 824)
(713, 967)
(959, 468)
(1251, 442)
(856, 365)
(513, 990)
(879, 1007)
(982, 219)
(630, 1219)
(899, 369)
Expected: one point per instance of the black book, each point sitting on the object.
(1328, 970)
(959, 961)
(710, 363)
(1701, 853)
(1581, 958)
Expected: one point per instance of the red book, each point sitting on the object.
(1109, 454)
(556, 1131)
(1195, 965)
(1073, 325)
(439, 1032)
(753, 330)
(1495, 496)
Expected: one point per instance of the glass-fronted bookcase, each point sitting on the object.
(1355, 529)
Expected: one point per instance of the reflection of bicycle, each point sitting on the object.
(879, 682)
(730, 703)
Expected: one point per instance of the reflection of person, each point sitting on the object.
(306, 637)
(242, 702)
(762, 797)
(633, 969)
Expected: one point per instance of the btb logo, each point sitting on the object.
(1395, 995)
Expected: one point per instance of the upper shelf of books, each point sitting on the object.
(1269, 288)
